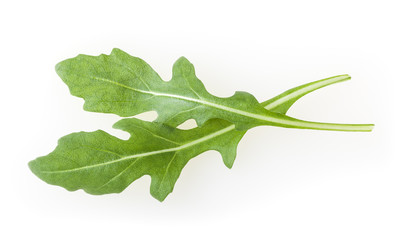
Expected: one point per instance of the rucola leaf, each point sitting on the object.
(121, 84)
(100, 163)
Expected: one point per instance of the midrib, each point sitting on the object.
(228, 109)
(270, 119)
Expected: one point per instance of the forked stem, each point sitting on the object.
(287, 99)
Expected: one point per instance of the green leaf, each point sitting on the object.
(121, 84)
(99, 163)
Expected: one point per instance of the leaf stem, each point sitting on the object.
(290, 96)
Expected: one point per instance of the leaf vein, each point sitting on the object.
(166, 170)
(120, 173)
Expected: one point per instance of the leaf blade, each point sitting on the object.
(74, 167)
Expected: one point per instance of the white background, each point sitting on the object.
(285, 184)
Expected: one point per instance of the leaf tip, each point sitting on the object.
(160, 199)
(183, 58)
(160, 196)
(229, 164)
(115, 51)
(182, 61)
(123, 123)
(32, 165)
(228, 157)
(59, 67)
